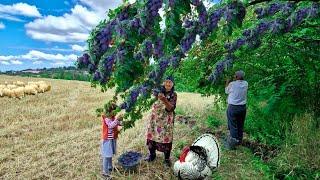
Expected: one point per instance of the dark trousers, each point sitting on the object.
(236, 115)
(152, 150)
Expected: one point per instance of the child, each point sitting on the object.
(110, 131)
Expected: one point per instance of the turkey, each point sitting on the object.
(199, 160)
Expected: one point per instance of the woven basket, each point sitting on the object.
(129, 160)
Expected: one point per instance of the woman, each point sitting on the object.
(160, 126)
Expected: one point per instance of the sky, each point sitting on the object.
(47, 33)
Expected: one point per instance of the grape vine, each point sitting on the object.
(132, 52)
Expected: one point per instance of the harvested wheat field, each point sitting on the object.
(56, 135)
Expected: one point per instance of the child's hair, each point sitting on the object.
(110, 108)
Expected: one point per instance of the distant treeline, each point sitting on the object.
(67, 73)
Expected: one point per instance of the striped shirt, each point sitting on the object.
(111, 124)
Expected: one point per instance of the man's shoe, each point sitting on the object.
(230, 143)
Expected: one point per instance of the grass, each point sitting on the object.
(56, 135)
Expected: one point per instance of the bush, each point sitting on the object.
(213, 122)
(300, 154)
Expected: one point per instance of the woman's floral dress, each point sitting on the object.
(160, 125)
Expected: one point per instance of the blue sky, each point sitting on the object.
(46, 33)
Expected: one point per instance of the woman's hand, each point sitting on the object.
(162, 97)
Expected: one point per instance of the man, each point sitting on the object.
(236, 112)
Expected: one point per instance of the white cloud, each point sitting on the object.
(2, 26)
(16, 62)
(5, 62)
(76, 47)
(37, 62)
(22, 9)
(6, 58)
(11, 18)
(50, 49)
(37, 57)
(101, 6)
(71, 27)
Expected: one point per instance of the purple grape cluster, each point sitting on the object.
(231, 47)
(135, 23)
(314, 10)
(153, 7)
(131, 100)
(83, 61)
(147, 48)
(121, 31)
(234, 11)
(262, 27)
(163, 64)
(92, 68)
(226, 63)
(251, 37)
(273, 8)
(144, 89)
(220, 65)
(276, 26)
(203, 15)
(175, 62)
(138, 56)
(158, 48)
(187, 41)
(103, 39)
(196, 2)
(105, 69)
(134, 94)
(214, 18)
(97, 76)
(300, 15)
(188, 24)
(171, 3)
(108, 63)
(124, 14)
(288, 8)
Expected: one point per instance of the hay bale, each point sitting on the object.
(30, 90)
(8, 92)
(1, 92)
(11, 86)
(18, 92)
(19, 83)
